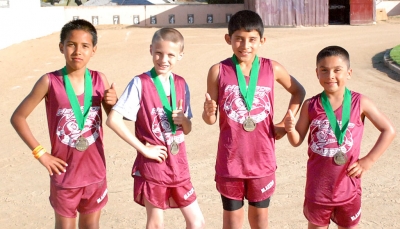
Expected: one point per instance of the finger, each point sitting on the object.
(112, 86)
(180, 104)
(290, 114)
(163, 148)
(208, 97)
(147, 144)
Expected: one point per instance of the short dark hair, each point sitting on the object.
(334, 51)
(247, 20)
(78, 24)
(168, 34)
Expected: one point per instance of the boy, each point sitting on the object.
(76, 163)
(159, 103)
(336, 121)
(242, 87)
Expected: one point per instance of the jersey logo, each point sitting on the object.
(68, 131)
(236, 109)
(162, 129)
(323, 140)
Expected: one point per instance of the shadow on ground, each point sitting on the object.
(378, 63)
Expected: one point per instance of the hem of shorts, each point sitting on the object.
(95, 210)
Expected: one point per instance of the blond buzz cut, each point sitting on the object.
(168, 34)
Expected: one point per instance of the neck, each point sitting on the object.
(76, 73)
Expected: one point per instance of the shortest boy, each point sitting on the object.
(336, 121)
(159, 103)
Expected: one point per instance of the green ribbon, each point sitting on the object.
(339, 132)
(247, 92)
(73, 100)
(164, 99)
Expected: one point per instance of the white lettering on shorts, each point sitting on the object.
(188, 194)
(267, 187)
(354, 217)
(102, 196)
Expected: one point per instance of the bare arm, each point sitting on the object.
(18, 121)
(110, 95)
(116, 123)
(210, 106)
(296, 133)
(379, 120)
(294, 88)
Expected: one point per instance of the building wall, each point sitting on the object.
(392, 7)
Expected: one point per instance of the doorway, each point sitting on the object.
(339, 12)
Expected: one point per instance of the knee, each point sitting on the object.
(155, 225)
(197, 224)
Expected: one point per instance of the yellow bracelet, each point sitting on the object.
(40, 153)
(37, 149)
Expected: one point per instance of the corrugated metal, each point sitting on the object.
(361, 12)
(291, 12)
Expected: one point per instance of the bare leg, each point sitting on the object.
(312, 226)
(90, 221)
(355, 227)
(258, 217)
(193, 216)
(64, 222)
(155, 216)
(233, 219)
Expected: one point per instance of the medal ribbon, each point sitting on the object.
(247, 93)
(164, 99)
(339, 133)
(73, 100)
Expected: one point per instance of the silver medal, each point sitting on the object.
(174, 147)
(81, 144)
(249, 124)
(340, 158)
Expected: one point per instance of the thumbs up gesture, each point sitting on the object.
(110, 95)
(178, 115)
(289, 121)
(210, 106)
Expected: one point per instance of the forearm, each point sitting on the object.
(186, 125)
(294, 138)
(22, 128)
(383, 142)
(209, 119)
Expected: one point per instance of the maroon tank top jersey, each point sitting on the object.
(243, 154)
(85, 167)
(152, 127)
(327, 183)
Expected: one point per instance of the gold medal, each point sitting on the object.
(340, 158)
(174, 147)
(81, 144)
(249, 124)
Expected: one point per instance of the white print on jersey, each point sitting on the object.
(102, 196)
(236, 109)
(354, 217)
(324, 142)
(188, 194)
(268, 186)
(160, 122)
(68, 130)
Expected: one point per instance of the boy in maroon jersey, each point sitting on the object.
(335, 118)
(158, 101)
(242, 87)
(76, 163)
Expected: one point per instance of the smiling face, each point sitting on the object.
(245, 44)
(165, 55)
(333, 73)
(78, 49)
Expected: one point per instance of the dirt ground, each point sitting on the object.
(123, 52)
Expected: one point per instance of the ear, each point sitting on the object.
(151, 50)
(61, 47)
(349, 72)
(94, 50)
(180, 56)
(316, 72)
(262, 40)
(228, 39)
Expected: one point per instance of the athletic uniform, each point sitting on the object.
(239, 157)
(327, 183)
(140, 102)
(87, 168)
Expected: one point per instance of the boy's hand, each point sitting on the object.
(53, 164)
(358, 168)
(177, 115)
(210, 107)
(110, 95)
(289, 121)
(279, 131)
(156, 152)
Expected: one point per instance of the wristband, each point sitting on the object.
(37, 149)
(40, 153)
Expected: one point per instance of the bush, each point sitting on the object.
(225, 1)
(395, 54)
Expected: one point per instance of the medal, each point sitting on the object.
(248, 92)
(81, 144)
(174, 147)
(340, 158)
(249, 124)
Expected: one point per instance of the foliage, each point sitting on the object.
(395, 54)
(225, 1)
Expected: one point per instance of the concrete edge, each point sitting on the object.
(390, 63)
